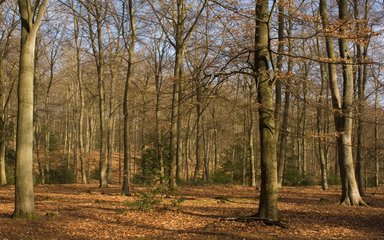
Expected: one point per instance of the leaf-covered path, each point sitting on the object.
(86, 212)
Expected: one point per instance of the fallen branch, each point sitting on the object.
(266, 221)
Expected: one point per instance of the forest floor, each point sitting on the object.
(193, 212)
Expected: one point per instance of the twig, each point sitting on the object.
(266, 221)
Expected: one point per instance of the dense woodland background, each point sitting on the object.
(192, 101)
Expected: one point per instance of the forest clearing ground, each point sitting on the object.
(85, 212)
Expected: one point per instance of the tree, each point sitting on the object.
(131, 53)
(96, 11)
(319, 119)
(268, 195)
(178, 37)
(79, 70)
(361, 54)
(31, 17)
(5, 35)
(342, 105)
(350, 193)
(157, 61)
(282, 138)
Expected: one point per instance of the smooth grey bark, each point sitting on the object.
(251, 135)
(24, 195)
(350, 194)
(342, 107)
(332, 75)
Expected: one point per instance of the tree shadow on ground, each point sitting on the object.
(368, 223)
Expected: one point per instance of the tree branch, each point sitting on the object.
(40, 14)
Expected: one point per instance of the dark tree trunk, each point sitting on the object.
(268, 196)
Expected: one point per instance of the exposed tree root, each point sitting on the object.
(266, 221)
(347, 202)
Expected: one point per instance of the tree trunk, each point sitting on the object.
(283, 138)
(361, 82)
(279, 64)
(205, 152)
(84, 178)
(103, 125)
(251, 133)
(24, 196)
(320, 131)
(111, 125)
(284, 128)
(159, 144)
(3, 177)
(376, 141)
(245, 140)
(198, 128)
(350, 194)
(321, 147)
(4, 51)
(175, 117)
(304, 162)
(79, 70)
(342, 108)
(126, 190)
(215, 146)
(268, 196)
(36, 119)
(66, 138)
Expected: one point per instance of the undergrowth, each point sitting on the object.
(154, 198)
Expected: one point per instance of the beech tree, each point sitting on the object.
(268, 192)
(350, 192)
(178, 34)
(6, 30)
(96, 11)
(131, 53)
(31, 14)
(342, 105)
(190, 90)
